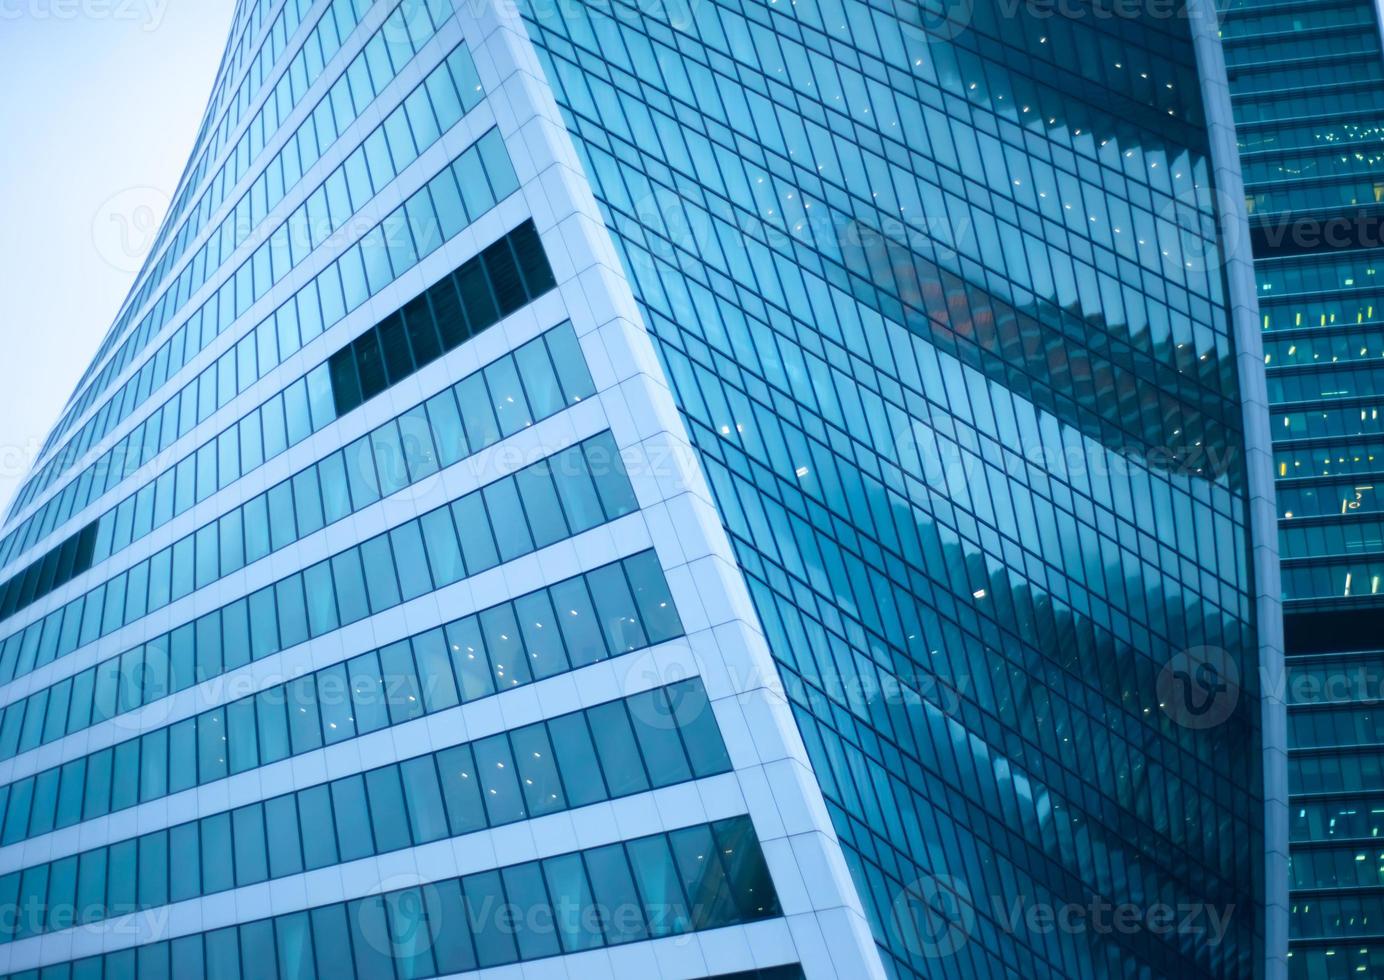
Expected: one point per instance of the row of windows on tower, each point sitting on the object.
(612, 610)
(705, 876)
(507, 275)
(555, 498)
(457, 195)
(650, 740)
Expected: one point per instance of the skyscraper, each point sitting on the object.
(1307, 83)
(756, 489)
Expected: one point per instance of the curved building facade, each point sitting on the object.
(728, 490)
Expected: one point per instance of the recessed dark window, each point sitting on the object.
(451, 321)
(533, 261)
(345, 384)
(504, 276)
(513, 269)
(398, 362)
(55, 569)
(422, 333)
(475, 295)
(370, 364)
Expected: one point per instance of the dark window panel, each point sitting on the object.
(341, 367)
(422, 331)
(370, 363)
(504, 277)
(398, 361)
(533, 260)
(475, 295)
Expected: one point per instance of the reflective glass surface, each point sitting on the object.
(1307, 84)
(941, 312)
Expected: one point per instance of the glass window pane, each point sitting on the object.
(461, 790)
(541, 504)
(504, 645)
(746, 870)
(401, 687)
(660, 885)
(411, 560)
(699, 866)
(652, 598)
(350, 587)
(333, 699)
(251, 854)
(332, 941)
(577, 920)
(315, 811)
(494, 943)
(659, 742)
(370, 937)
(389, 459)
(526, 892)
(284, 845)
(473, 531)
(608, 470)
(446, 427)
(444, 551)
(581, 629)
(614, 892)
(500, 784)
(624, 771)
(580, 503)
(426, 812)
(451, 935)
(294, 945)
(507, 397)
(537, 770)
(576, 755)
(476, 414)
(388, 817)
(469, 660)
(619, 618)
(507, 516)
(541, 637)
(435, 671)
(416, 438)
(410, 942)
(218, 874)
(352, 818)
(367, 693)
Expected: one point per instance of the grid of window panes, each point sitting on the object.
(705, 876)
(409, 26)
(1307, 85)
(1336, 815)
(969, 412)
(387, 250)
(147, 616)
(612, 610)
(547, 501)
(650, 740)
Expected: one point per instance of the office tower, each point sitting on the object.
(759, 489)
(1307, 85)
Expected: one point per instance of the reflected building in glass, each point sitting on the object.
(1307, 84)
(758, 490)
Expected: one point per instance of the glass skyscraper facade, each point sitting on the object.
(1307, 84)
(751, 490)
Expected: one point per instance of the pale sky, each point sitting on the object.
(99, 103)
